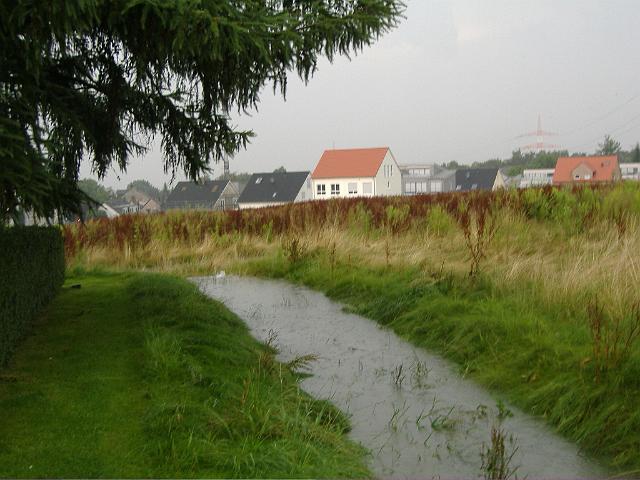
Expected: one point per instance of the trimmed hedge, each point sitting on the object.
(31, 274)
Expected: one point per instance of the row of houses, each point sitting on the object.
(345, 173)
(368, 172)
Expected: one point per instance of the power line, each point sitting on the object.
(602, 117)
(611, 132)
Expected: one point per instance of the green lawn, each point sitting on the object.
(137, 375)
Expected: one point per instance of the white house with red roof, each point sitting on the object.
(356, 172)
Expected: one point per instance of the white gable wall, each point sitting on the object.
(389, 177)
(306, 192)
(246, 205)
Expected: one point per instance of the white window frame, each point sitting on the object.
(352, 188)
(367, 186)
(335, 189)
(321, 189)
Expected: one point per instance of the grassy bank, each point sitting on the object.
(539, 359)
(551, 320)
(139, 375)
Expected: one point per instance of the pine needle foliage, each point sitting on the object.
(100, 79)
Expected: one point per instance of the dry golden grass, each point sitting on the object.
(539, 258)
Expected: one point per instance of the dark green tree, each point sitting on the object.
(280, 170)
(609, 146)
(98, 80)
(241, 177)
(143, 186)
(452, 165)
(635, 154)
(94, 190)
(164, 193)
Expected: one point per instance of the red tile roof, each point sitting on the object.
(349, 163)
(603, 168)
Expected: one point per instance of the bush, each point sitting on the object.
(32, 266)
(439, 222)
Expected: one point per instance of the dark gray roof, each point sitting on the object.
(273, 187)
(476, 179)
(197, 193)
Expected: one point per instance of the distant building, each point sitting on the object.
(536, 177)
(418, 179)
(358, 172)
(122, 206)
(630, 171)
(271, 189)
(479, 179)
(595, 169)
(207, 195)
(134, 201)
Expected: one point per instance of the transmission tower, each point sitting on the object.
(539, 135)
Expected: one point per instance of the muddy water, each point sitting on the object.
(415, 414)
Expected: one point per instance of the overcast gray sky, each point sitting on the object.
(458, 80)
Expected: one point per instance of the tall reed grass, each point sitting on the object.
(557, 246)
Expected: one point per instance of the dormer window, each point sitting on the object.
(258, 180)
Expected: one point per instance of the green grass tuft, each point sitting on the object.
(137, 375)
(540, 358)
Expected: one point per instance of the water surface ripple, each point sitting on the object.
(411, 409)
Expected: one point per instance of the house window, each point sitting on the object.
(258, 180)
(388, 184)
(322, 189)
(410, 187)
(587, 177)
(222, 203)
(274, 195)
(367, 188)
(335, 189)
(436, 186)
(353, 188)
(421, 187)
